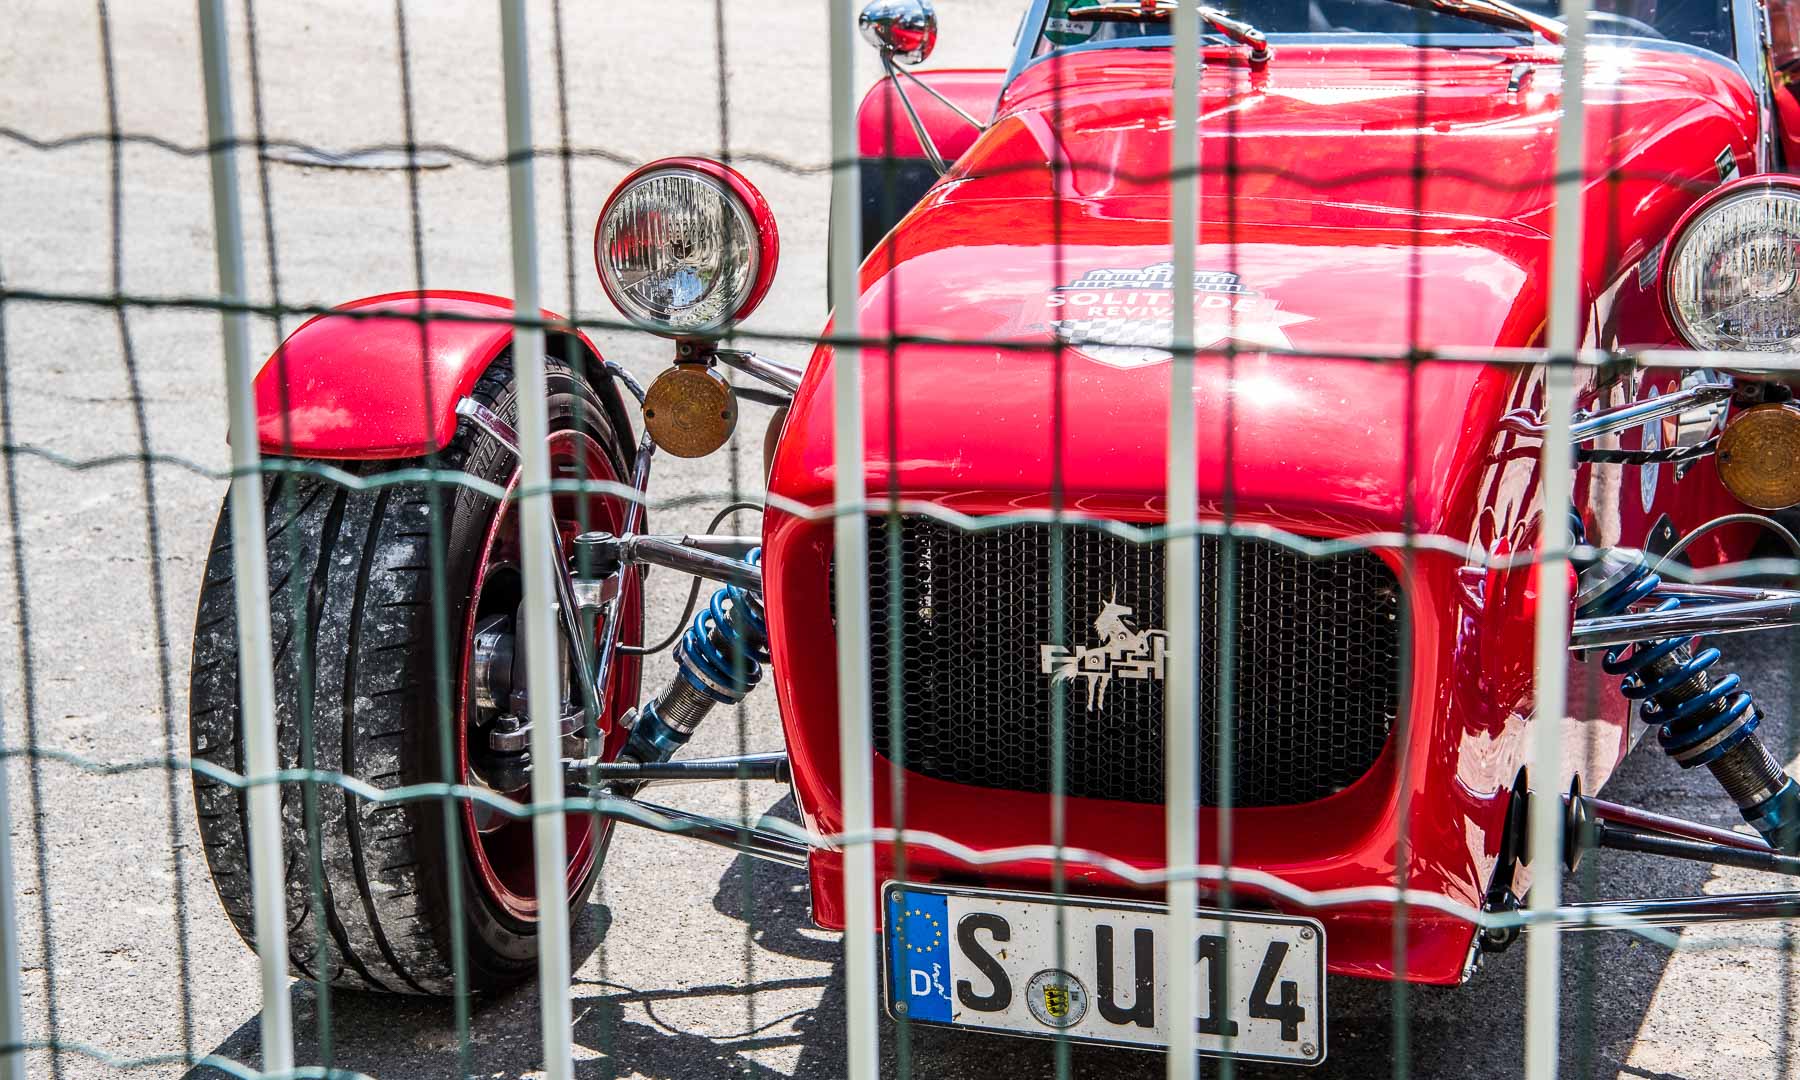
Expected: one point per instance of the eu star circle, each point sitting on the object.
(921, 931)
(1057, 998)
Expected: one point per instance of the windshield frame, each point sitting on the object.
(1746, 42)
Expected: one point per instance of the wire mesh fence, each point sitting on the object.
(1203, 420)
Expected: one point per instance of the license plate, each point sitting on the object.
(990, 960)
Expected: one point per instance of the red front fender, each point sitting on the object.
(380, 377)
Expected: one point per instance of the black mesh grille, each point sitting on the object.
(1318, 653)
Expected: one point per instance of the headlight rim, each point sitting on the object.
(765, 252)
(1730, 192)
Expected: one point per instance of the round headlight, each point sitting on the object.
(1733, 268)
(685, 247)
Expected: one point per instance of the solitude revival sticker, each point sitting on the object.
(1126, 318)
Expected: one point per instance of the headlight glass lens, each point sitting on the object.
(678, 253)
(1734, 271)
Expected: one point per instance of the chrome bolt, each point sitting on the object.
(895, 896)
(1306, 1049)
(900, 1007)
(1306, 933)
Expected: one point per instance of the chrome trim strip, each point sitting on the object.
(1750, 42)
(491, 422)
(777, 374)
(1031, 27)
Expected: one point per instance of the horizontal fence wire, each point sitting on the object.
(291, 881)
(1602, 359)
(640, 814)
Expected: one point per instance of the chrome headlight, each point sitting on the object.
(685, 247)
(1732, 277)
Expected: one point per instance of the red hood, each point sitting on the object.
(1350, 125)
(1318, 250)
(1308, 189)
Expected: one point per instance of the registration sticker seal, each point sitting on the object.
(1056, 998)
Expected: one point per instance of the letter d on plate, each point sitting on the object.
(918, 933)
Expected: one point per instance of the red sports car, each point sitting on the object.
(1371, 302)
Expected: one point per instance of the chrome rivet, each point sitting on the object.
(1306, 933)
(900, 1008)
(1306, 1049)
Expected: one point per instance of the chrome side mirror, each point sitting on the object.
(904, 30)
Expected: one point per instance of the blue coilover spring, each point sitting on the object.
(719, 660)
(1698, 721)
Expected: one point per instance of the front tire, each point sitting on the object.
(361, 688)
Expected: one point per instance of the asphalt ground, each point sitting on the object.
(693, 963)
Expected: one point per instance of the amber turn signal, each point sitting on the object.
(1759, 456)
(690, 410)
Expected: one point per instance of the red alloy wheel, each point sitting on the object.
(498, 846)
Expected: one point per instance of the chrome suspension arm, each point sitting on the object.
(1590, 426)
(710, 557)
(1766, 609)
(1684, 910)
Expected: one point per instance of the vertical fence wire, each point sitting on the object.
(302, 631)
(1583, 883)
(1059, 580)
(153, 538)
(1543, 971)
(1790, 933)
(250, 569)
(571, 306)
(12, 1021)
(1182, 604)
(1400, 997)
(443, 658)
(894, 612)
(856, 748)
(1224, 623)
(31, 729)
(536, 530)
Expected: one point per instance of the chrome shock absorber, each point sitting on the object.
(1698, 721)
(719, 660)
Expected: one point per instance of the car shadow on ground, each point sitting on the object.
(1472, 1030)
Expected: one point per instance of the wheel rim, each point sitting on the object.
(499, 848)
